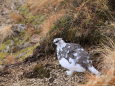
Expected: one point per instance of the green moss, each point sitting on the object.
(1, 62)
(24, 9)
(24, 52)
(2, 46)
(3, 55)
(7, 41)
(21, 38)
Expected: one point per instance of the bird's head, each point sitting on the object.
(58, 41)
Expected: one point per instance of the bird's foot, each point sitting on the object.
(69, 73)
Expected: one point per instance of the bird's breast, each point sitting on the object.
(64, 63)
(75, 67)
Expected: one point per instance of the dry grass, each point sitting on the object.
(16, 17)
(113, 24)
(108, 70)
(41, 5)
(10, 59)
(84, 15)
(87, 18)
(5, 32)
(46, 26)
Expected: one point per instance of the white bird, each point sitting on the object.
(73, 57)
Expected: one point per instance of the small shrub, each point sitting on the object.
(94, 37)
(64, 22)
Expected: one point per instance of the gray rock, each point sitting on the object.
(19, 27)
(27, 44)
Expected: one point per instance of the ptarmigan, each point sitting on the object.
(73, 57)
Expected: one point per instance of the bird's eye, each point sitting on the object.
(56, 41)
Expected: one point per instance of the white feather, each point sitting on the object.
(75, 54)
(71, 66)
(94, 71)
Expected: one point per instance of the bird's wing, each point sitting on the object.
(80, 55)
(76, 50)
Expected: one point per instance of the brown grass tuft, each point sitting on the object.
(5, 32)
(16, 17)
(9, 59)
(108, 77)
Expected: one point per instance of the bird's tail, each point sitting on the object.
(94, 71)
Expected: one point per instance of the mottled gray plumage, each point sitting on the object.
(70, 49)
(73, 57)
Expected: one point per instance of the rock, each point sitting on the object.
(8, 49)
(11, 43)
(20, 55)
(19, 27)
(25, 45)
